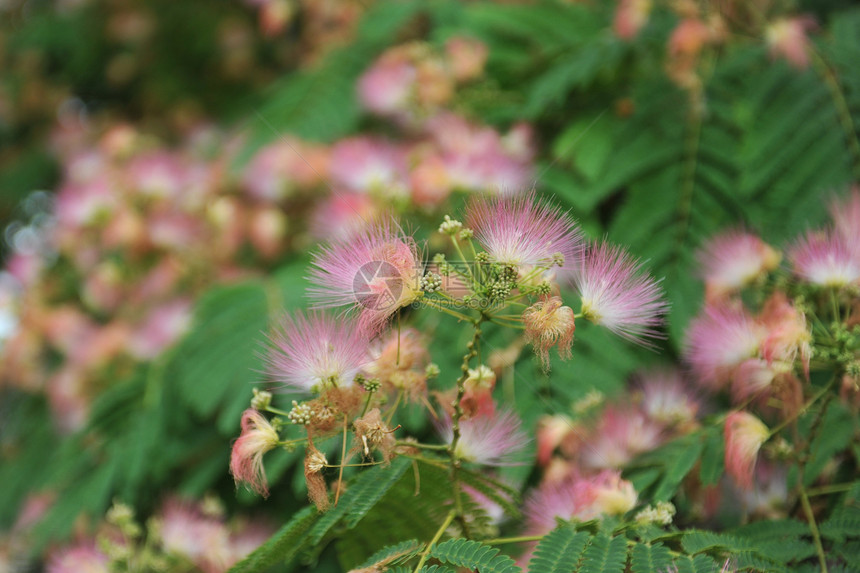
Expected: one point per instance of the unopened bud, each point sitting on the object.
(450, 226)
(261, 400)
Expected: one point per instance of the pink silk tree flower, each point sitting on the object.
(630, 17)
(845, 213)
(549, 324)
(718, 341)
(825, 259)
(375, 272)
(523, 230)
(490, 440)
(788, 337)
(314, 351)
(617, 295)
(733, 260)
(246, 460)
(787, 39)
(368, 165)
(81, 558)
(666, 398)
(622, 433)
(744, 435)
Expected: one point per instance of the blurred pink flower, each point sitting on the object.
(490, 440)
(825, 259)
(787, 39)
(733, 260)
(744, 435)
(369, 165)
(162, 326)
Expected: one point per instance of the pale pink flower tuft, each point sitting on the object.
(825, 259)
(846, 218)
(787, 38)
(523, 230)
(630, 17)
(83, 558)
(617, 295)
(666, 399)
(622, 434)
(734, 259)
(788, 336)
(341, 215)
(491, 440)
(189, 532)
(466, 57)
(718, 341)
(744, 435)
(375, 271)
(369, 165)
(246, 461)
(388, 87)
(310, 352)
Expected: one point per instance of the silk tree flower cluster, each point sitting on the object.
(143, 228)
(350, 375)
(770, 335)
(181, 535)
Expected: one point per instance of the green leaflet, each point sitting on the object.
(473, 555)
(559, 551)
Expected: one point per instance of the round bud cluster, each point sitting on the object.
(431, 282)
(301, 414)
(660, 514)
(431, 370)
(373, 385)
(466, 234)
(499, 290)
(558, 259)
(261, 400)
(450, 226)
(543, 289)
(482, 257)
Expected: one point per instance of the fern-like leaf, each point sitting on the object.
(645, 558)
(473, 555)
(360, 496)
(559, 551)
(394, 554)
(605, 554)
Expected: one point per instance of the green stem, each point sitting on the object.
(813, 526)
(448, 519)
(828, 489)
(432, 304)
(422, 446)
(456, 244)
(803, 409)
(276, 411)
(504, 540)
(394, 408)
(455, 425)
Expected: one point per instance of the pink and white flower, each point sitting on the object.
(734, 259)
(665, 398)
(311, 352)
(617, 295)
(82, 558)
(825, 259)
(490, 440)
(246, 460)
(369, 165)
(524, 230)
(375, 272)
(744, 435)
(718, 341)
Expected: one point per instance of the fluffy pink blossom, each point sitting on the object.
(283, 167)
(491, 440)
(578, 498)
(733, 260)
(162, 327)
(551, 432)
(375, 272)
(845, 213)
(718, 341)
(825, 259)
(189, 532)
(246, 460)
(621, 434)
(788, 337)
(309, 352)
(665, 397)
(466, 57)
(82, 558)
(617, 295)
(524, 230)
(787, 39)
(387, 88)
(630, 17)
(369, 165)
(342, 214)
(744, 435)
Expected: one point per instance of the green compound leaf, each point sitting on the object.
(473, 555)
(559, 551)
